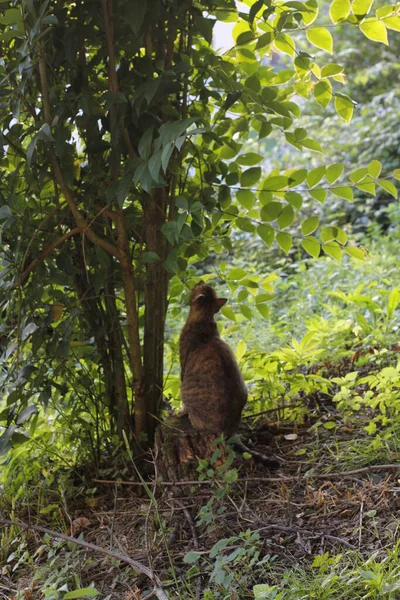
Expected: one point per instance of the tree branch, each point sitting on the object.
(58, 176)
(45, 252)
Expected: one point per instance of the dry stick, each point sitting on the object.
(337, 474)
(139, 567)
(204, 482)
(356, 471)
(328, 536)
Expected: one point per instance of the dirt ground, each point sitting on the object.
(312, 505)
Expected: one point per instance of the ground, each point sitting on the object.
(267, 525)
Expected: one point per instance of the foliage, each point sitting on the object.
(126, 160)
(334, 577)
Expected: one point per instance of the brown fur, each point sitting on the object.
(213, 391)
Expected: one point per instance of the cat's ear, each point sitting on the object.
(219, 303)
(199, 298)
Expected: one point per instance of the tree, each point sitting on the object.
(124, 136)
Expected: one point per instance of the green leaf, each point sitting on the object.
(250, 176)
(310, 225)
(358, 174)
(332, 69)
(333, 172)
(388, 187)
(236, 274)
(271, 211)
(339, 9)
(315, 175)
(246, 311)
(340, 235)
(393, 22)
(26, 413)
(228, 313)
(245, 198)
(361, 7)
(355, 252)
(5, 212)
(149, 257)
(263, 310)
(327, 234)
(374, 168)
(286, 217)
(285, 241)
(374, 30)
(249, 159)
(330, 425)
(285, 44)
(312, 246)
(266, 233)
(321, 38)
(367, 185)
(191, 557)
(81, 593)
(323, 93)
(333, 249)
(245, 224)
(275, 183)
(311, 11)
(345, 192)
(396, 174)
(319, 195)
(344, 107)
(295, 199)
(312, 144)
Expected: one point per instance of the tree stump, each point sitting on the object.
(179, 447)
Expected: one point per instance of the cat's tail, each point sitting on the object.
(270, 463)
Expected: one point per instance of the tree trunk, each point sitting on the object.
(156, 286)
(179, 448)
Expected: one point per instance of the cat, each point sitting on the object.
(213, 391)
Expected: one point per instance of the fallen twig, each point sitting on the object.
(139, 567)
(298, 530)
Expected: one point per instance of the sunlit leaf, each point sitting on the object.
(321, 38)
(361, 7)
(312, 246)
(333, 249)
(339, 9)
(388, 187)
(374, 30)
(333, 172)
(344, 107)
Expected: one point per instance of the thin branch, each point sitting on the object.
(45, 252)
(59, 178)
(139, 567)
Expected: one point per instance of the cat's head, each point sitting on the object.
(203, 298)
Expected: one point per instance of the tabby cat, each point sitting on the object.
(213, 391)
